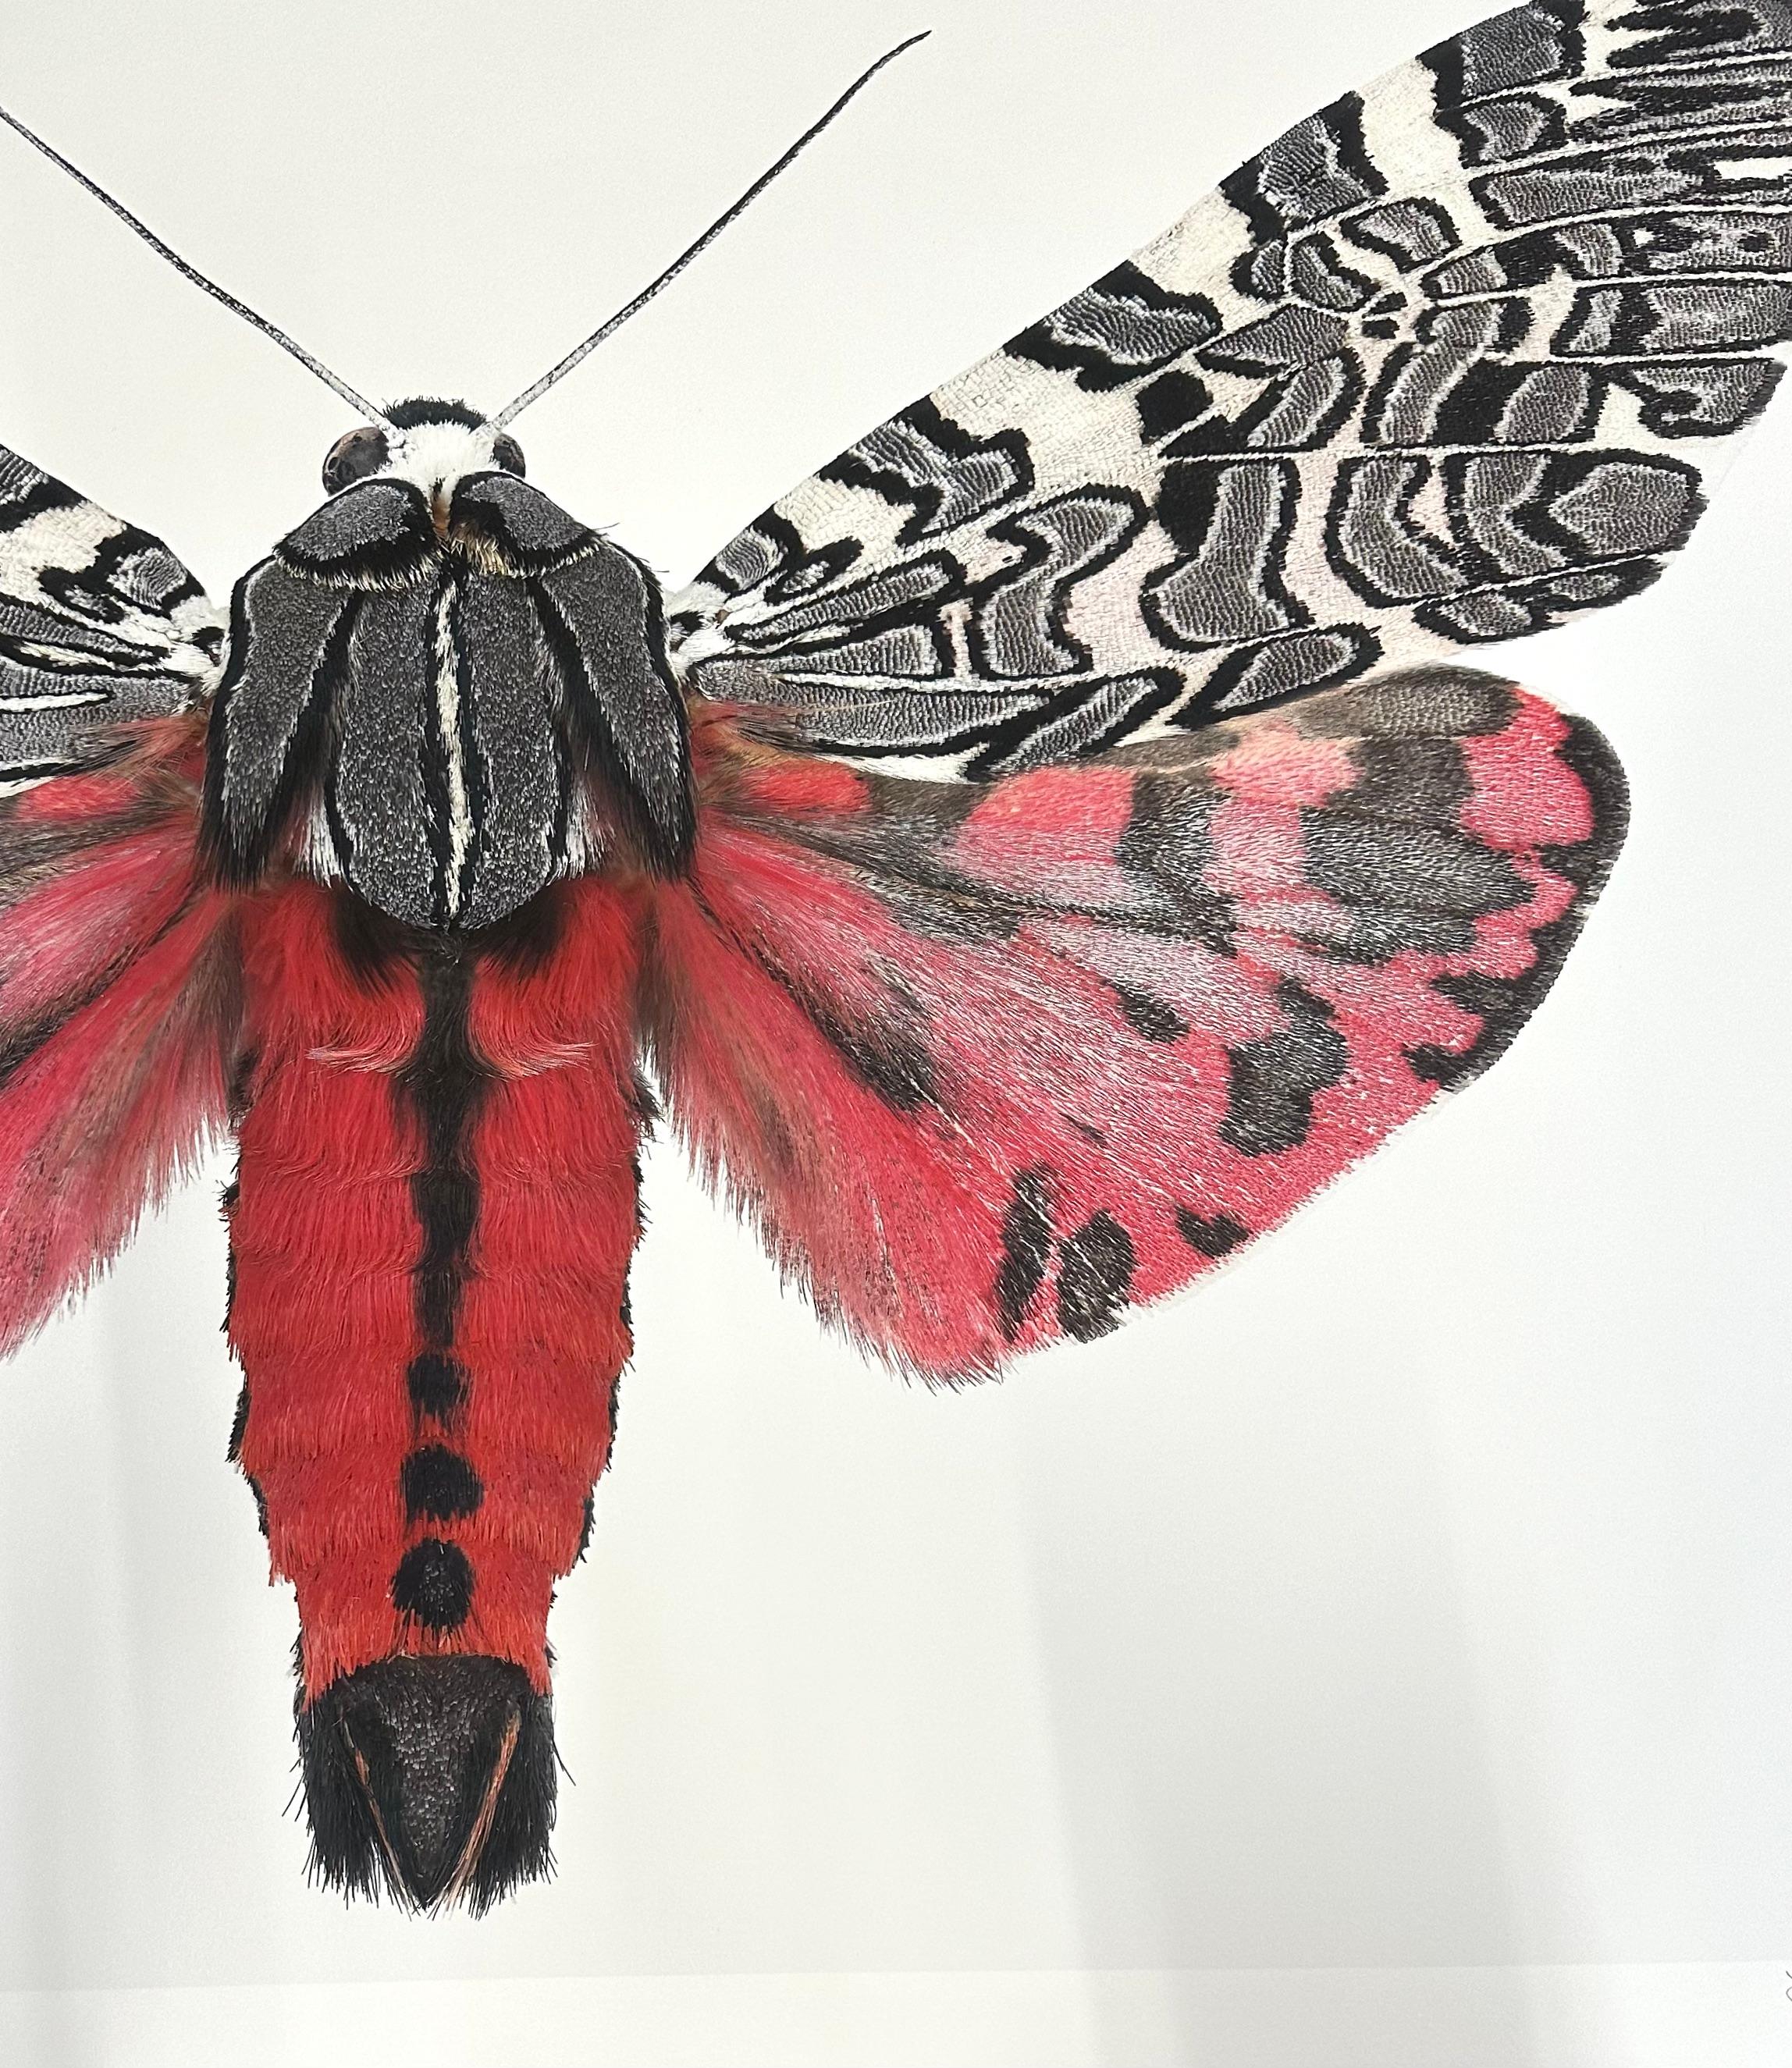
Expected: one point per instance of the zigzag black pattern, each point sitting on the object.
(1451, 361)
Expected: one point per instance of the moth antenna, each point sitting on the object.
(579, 352)
(192, 273)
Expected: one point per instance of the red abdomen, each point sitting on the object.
(430, 1237)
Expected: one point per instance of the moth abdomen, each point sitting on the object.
(431, 1234)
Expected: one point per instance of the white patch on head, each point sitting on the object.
(436, 455)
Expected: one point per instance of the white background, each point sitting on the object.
(1412, 1606)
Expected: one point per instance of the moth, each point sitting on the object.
(1039, 853)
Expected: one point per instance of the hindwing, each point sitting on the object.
(990, 1065)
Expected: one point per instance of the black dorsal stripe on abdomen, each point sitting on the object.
(444, 1086)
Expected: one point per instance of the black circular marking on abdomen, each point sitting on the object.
(434, 1583)
(439, 1485)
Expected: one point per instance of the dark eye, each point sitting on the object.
(508, 453)
(355, 453)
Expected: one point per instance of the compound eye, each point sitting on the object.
(508, 453)
(355, 454)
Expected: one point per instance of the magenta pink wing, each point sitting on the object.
(116, 1006)
(988, 1064)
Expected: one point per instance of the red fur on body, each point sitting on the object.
(326, 1236)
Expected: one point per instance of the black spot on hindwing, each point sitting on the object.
(888, 1055)
(1274, 1081)
(1214, 1238)
(884, 1046)
(1095, 1271)
(1150, 1017)
(1026, 1249)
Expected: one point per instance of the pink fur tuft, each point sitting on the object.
(117, 1008)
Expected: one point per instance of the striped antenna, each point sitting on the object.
(511, 410)
(288, 344)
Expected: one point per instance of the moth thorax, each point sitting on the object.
(447, 708)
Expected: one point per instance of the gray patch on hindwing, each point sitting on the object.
(1274, 1081)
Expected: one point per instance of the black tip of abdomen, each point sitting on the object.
(432, 1778)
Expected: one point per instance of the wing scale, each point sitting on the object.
(1453, 360)
(100, 625)
(988, 1065)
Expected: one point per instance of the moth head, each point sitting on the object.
(426, 441)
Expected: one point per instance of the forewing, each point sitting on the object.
(117, 1010)
(100, 625)
(1452, 360)
(988, 1065)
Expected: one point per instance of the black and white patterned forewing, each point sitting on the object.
(99, 623)
(1454, 359)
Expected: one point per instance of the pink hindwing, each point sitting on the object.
(117, 1008)
(990, 1065)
